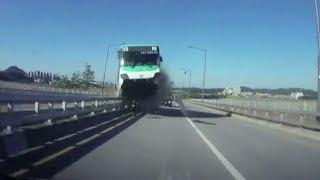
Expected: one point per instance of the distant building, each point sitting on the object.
(246, 94)
(296, 95)
(281, 96)
(43, 77)
(232, 91)
(263, 95)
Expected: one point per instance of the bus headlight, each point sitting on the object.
(124, 76)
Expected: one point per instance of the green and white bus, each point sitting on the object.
(139, 71)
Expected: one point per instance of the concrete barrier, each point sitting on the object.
(303, 119)
(17, 114)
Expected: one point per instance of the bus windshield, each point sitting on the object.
(133, 58)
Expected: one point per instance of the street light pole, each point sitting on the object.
(184, 73)
(204, 72)
(204, 67)
(189, 79)
(105, 68)
(318, 59)
(188, 71)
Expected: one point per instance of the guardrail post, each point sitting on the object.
(301, 119)
(281, 117)
(82, 104)
(36, 107)
(75, 104)
(105, 106)
(10, 107)
(255, 112)
(63, 106)
(8, 129)
(50, 107)
(267, 115)
(114, 101)
(95, 105)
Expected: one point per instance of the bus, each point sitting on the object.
(139, 72)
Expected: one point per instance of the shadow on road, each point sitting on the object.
(204, 122)
(51, 168)
(57, 164)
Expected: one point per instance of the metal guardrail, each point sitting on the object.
(288, 105)
(45, 88)
(17, 114)
(303, 119)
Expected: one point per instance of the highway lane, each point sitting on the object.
(158, 146)
(166, 146)
(260, 152)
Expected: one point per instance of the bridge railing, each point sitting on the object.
(294, 113)
(22, 113)
(47, 88)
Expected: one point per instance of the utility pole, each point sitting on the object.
(184, 73)
(318, 60)
(204, 72)
(190, 72)
(189, 79)
(105, 65)
(204, 67)
(105, 68)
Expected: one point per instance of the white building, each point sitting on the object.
(296, 95)
(247, 94)
(232, 91)
(263, 95)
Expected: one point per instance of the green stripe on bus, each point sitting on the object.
(140, 68)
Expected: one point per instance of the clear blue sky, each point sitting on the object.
(256, 43)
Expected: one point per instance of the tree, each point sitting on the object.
(88, 76)
(83, 80)
(64, 82)
(76, 80)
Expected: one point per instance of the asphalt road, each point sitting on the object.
(197, 143)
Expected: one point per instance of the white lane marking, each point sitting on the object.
(19, 172)
(53, 156)
(234, 172)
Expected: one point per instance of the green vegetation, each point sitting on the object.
(78, 80)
